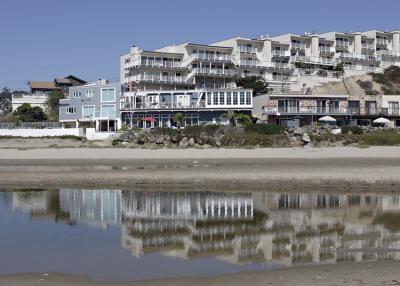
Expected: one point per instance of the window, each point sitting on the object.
(76, 94)
(108, 94)
(108, 110)
(228, 98)
(242, 100)
(222, 98)
(88, 111)
(71, 110)
(248, 98)
(209, 98)
(90, 93)
(215, 99)
(235, 98)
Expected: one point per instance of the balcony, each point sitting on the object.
(388, 54)
(310, 110)
(368, 47)
(280, 53)
(153, 64)
(277, 65)
(315, 60)
(298, 46)
(250, 63)
(214, 72)
(326, 50)
(381, 42)
(157, 105)
(342, 44)
(352, 56)
(211, 57)
(247, 50)
(158, 78)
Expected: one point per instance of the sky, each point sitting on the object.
(44, 39)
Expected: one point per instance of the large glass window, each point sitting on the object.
(248, 98)
(88, 111)
(222, 98)
(235, 98)
(215, 99)
(242, 99)
(229, 98)
(108, 94)
(209, 102)
(108, 110)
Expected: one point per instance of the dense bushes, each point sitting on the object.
(381, 138)
(265, 129)
(352, 129)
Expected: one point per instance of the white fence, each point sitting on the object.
(89, 133)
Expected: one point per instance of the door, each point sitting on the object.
(393, 108)
(370, 107)
(321, 106)
(333, 106)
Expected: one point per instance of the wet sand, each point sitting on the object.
(382, 273)
(346, 169)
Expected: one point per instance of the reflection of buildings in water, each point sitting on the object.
(283, 228)
(239, 228)
(99, 207)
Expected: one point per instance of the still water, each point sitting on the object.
(117, 235)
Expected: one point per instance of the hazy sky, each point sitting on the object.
(43, 39)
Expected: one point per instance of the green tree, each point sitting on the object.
(27, 113)
(178, 119)
(257, 84)
(53, 102)
(5, 101)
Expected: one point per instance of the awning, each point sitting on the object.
(327, 119)
(149, 119)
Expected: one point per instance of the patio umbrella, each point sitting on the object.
(150, 119)
(327, 119)
(381, 120)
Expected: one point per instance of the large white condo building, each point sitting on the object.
(276, 59)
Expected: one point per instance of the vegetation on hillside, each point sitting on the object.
(27, 113)
(257, 84)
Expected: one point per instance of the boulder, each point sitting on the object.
(306, 138)
(191, 142)
(298, 131)
(160, 140)
(336, 131)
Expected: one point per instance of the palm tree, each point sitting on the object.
(178, 119)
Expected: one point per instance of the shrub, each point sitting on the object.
(381, 138)
(254, 139)
(381, 79)
(194, 131)
(266, 129)
(389, 91)
(352, 129)
(165, 131)
(365, 84)
(392, 73)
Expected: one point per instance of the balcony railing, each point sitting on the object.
(321, 110)
(277, 65)
(30, 125)
(280, 53)
(315, 60)
(342, 44)
(387, 53)
(211, 57)
(325, 49)
(247, 50)
(359, 68)
(357, 56)
(158, 78)
(300, 46)
(216, 72)
(250, 63)
(157, 105)
(382, 42)
(369, 47)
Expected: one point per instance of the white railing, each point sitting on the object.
(357, 56)
(158, 78)
(30, 125)
(359, 68)
(325, 49)
(369, 47)
(381, 41)
(250, 63)
(208, 71)
(388, 53)
(280, 53)
(211, 57)
(280, 78)
(247, 50)
(343, 44)
(100, 114)
(147, 63)
(300, 46)
(276, 65)
(315, 60)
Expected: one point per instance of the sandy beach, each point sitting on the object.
(255, 169)
(382, 273)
